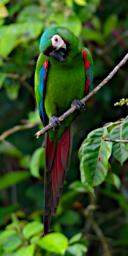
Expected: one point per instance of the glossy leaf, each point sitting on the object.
(94, 154)
(72, 20)
(110, 24)
(9, 149)
(28, 250)
(70, 218)
(125, 131)
(77, 249)
(92, 35)
(78, 186)
(75, 238)
(16, 34)
(30, 13)
(120, 132)
(4, 1)
(80, 2)
(113, 179)
(5, 213)
(37, 161)
(13, 178)
(12, 90)
(4, 235)
(3, 11)
(2, 79)
(54, 242)
(12, 243)
(32, 229)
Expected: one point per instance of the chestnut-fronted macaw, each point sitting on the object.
(63, 75)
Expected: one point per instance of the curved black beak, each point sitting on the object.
(58, 54)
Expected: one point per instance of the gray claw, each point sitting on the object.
(54, 121)
(78, 104)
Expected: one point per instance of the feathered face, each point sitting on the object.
(57, 43)
(58, 48)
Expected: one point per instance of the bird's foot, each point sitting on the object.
(54, 122)
(78, 104)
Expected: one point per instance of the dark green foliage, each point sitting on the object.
(92, 216)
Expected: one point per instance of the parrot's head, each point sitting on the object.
(59, 43)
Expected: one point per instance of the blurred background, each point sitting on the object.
(93, 225)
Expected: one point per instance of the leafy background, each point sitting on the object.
(92, 216)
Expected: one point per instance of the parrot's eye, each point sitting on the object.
(58, 42)
(56, 39)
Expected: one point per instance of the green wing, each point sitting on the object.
(40, 86)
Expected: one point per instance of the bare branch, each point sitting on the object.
(85, 99)
(16, 128)
(116, 140)
(100, 235)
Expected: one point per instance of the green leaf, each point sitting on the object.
(3, 11)
(37, 161)
(33, 117)
(12, 90)
(110, 24)
(92, 35)
(9, 149)
(78, 186)
(28, 250)
(35, 239)
(71, 21)
(125, 131)
(96, 22)
(113, 179)
(13, 178)
(80, 2)
(30, 13)
(12, 243)
(69, 3)
(5, 212)
(7, 34)
(120, 198)
(77, 249)
(16, 34)
(4, 235)
(4, 1)
(70, 218)
(120, 132)
(54, 242)
(32, 229)
(66, 201)
(75, 25)
(75, 238)
(94, 154)
(2, 79)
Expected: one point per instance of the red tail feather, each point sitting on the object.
(57, 156)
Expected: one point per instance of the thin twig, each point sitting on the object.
(116, 140)
(85, 99)
(16, 128)
(90, 216)
(100, 235)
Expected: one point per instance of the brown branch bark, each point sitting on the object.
(116, 140)
(101, 237)
(85, 99)
(16, 128)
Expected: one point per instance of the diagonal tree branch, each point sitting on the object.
(116, 140)
(86, 98)
(16, 128)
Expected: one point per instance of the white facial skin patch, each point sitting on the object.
(58, 42)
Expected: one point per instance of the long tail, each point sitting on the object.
(57, 156)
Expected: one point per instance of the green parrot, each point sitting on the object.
(63, 76)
